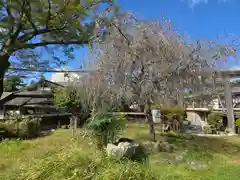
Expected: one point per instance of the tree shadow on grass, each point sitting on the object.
(198, 147)
(205, 147)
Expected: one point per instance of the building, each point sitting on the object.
(67, 76)
(37, 103)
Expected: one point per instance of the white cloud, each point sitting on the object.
(193, 3)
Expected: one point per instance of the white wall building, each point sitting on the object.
(66, 76)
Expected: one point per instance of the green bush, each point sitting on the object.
(10, 128)
(32, 87)
(67, 99)
(215, 121)
(238, 122)
(27, 128)
(105, 127)
(171, 114)
(208, 130)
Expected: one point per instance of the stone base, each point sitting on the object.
(216, 135)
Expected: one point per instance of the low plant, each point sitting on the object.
(29, 128)
(173, 114)
(238, 125)
(72, 100)
(25, 128)
(105, 127)
(208, 130)
(67, 99)
(238, 122)
(31, 87)
(215, 121)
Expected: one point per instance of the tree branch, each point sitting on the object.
(28, 12)
(120, 31)
(46, 43)
(49, 14)
(28, 36)
(12, 36)
(11, 19)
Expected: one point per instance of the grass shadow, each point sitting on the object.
(198, 147)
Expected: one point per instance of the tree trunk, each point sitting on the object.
(4, 64)
(1, 81)
(147, 111)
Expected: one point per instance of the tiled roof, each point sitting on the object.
(5, 94)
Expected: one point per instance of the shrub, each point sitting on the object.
(208, 130)
(238, 125)
(171, 114)
(215, 120)
(238, 122)
(68, 99)
(32, 87)
(27, 128)
(105, 127)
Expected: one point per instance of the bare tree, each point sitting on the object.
(144, 59)
(145, 62)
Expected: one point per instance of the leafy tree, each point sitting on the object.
(66, 99)
(13, 83)
(41, 81)
(32, 86)
(27, 27)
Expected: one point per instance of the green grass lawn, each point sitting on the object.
(61, 157)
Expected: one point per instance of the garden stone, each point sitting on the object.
(170, 161)
(133, 151)
(114, 151)
(196, 165)
(158, 147)
(167, 161)
(180, 158)
(176, 161)
(127, 149)
(166, 147)
(152, 146)
(148, 145)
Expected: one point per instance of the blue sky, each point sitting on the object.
(199, 19)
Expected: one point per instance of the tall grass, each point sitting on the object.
(61, 157)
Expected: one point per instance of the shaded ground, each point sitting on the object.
(61, 157)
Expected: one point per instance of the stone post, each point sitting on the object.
(229, 104)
